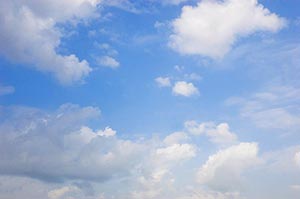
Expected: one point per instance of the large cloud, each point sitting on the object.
(29, 34)
(57, 146)
(60, 146)
(211, 27)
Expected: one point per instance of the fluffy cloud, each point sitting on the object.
(82, 163)
(219, 134)
(176, 138)
(163, 81)
(185, 89)
(108, 61)
(67, 149)
(6, 90)
(226, 166)
(29, 34)
(211, 27)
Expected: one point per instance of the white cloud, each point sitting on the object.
(297, 158)
(163, 81)
(185, 89)
(85, 163)
(6, 90)
(29, 35)
(176, 152)
(67, 148)
(212, 27)
(175, 138)
(219, 134)
(225, 167)
(273, 108)
(192, 76)
(108, 61)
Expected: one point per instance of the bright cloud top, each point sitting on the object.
(212, 27)
(224, 167)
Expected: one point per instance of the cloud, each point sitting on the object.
(185, 89)
(38, 146)
(224, 169)
(67, 148)
(272, 108)
(211, 28)
(219, 134)
(176, 138)
(30, 35)
(60, 192)
(163, 81)
(6, 90)
(297, 158)
(108, 61)
(176, 152)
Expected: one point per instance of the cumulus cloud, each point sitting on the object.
(6, 90)
(219, 134)
(212, 27)
(29, 34)
(87, 163)
(175, 138)
(225, 167)
(185, 89)
(163, 81)
(67, 149)
(108, 61)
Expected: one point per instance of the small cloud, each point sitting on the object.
(185, 89)
(192, 77)
(163, 81)
(92, 33)
(106, 49)
(158, 24)
(6, 90)
(179, 68)
(108, 61)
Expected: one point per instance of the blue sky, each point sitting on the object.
(149, 99)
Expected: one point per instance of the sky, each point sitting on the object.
(149, 99)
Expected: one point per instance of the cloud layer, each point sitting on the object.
(60, 147)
